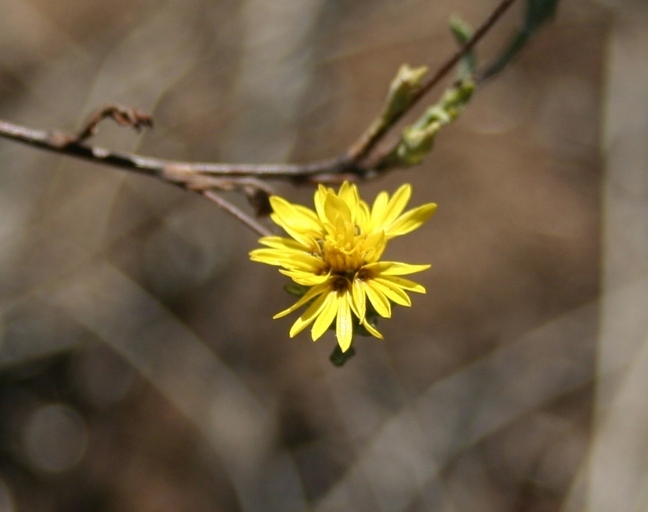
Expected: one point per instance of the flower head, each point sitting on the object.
(335, 251)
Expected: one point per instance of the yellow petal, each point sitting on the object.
(305, 278)
(269, 256)
(372, 330)
(411, 220)
(405, 284)
(394, 268)
(262, 256)
(397, 203)
(374, 245)
(296, 220)
(379, 210)
(326, 316)
(359, 304)
(349, 194)
(392, 291)
(335, 208)
(344, 325)
(292, 260)
(307, 216)
(280, 242)
(363, 216)
(310, 294)
(308, 316)
(294, 214)
(378, 300)
(304, 237)
(320, 199)
(305, 261)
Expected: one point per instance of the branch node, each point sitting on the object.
(123, 116)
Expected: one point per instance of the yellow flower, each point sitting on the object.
(335, 253)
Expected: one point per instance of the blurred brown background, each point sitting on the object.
(140, 368)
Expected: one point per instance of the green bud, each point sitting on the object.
(416, 143)
(417, 140)
(402, 89)
(454, 100)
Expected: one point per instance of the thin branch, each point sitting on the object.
(174, 171)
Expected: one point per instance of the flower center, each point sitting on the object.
(343, 250)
